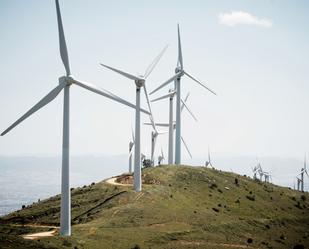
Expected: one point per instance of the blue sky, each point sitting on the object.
(259, 72)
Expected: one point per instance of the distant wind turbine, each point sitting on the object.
(176, 78)
(208, 163)
(302, 173)
(161, 157)
(171, 123)
(140, 82)
(64, 84)
(131, 145)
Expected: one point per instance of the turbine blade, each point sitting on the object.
(62, 43)
(131, 151)
(158, 124)
(106, 94)
(179, 49)
(184, 143)
(185, 100)
(184, 104)
(149, 107)
(133, 135)
(44, 101)
(164, 96)
(127, 75)
(190, 76)
(167, 82)
(154, 63)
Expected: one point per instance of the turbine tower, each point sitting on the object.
(65, 83)
(177, 78)
(140, 82)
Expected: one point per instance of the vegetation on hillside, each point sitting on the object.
(179, 207)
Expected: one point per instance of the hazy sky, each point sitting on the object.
(254, 54)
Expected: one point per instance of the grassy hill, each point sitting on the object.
(179, 207)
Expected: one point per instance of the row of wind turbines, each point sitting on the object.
(65, 82)
(259, 174)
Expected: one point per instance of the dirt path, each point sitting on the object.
(33, 236)
(32, 225)
(38, 235)
(112, 181)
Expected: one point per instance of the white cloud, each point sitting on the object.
(239, 17)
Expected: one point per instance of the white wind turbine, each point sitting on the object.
(255, 171)
(208, 163)
(140, 82)
(300, 181)
(161, 157)
(155, 133)
(131, 145)
(170, 95)
(154, 136)
(176, 78)
(267, 176)
(64, 84)
(171, 123)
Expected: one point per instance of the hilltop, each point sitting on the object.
(179, 207)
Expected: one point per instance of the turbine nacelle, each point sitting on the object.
(178, 69)
(140, 82)
(67, 80)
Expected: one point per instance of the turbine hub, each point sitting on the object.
(68, 80)
(140, 82)
(179, 70)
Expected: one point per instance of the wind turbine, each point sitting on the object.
(154, 135)
(140, 82)
(171, 123)
(267, 176)
(170, 95)
(254, 170)
(258, 170)
(176, 78)
(161, 157)
(64, 84)
(302, 172)
(208, 163)
(131, 145)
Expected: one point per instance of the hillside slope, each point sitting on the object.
(179, 207)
